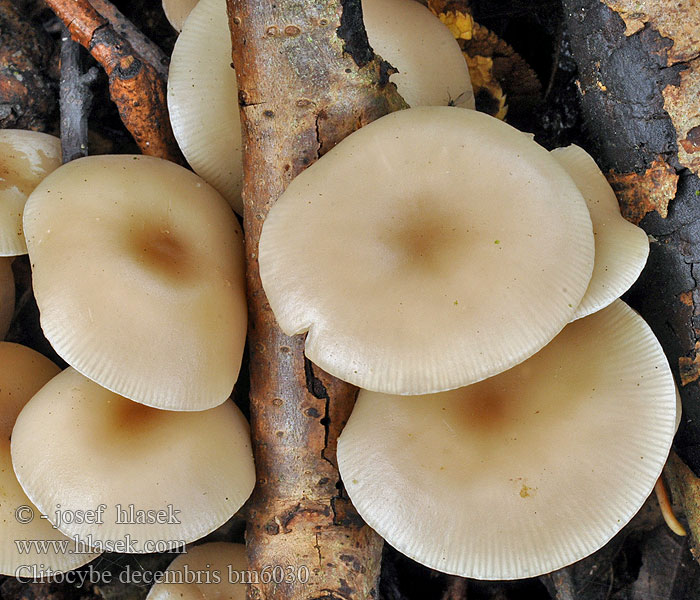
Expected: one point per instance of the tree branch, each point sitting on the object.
(75, 98)
(307, 78)
(137, 87)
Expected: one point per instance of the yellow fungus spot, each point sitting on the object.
(460, 24)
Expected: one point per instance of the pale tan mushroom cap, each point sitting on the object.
(203, 100)
(207, 562)
(79, 445)
(138, 272)
(22, 373)
(432, 69)
(430, 249)
(177, 11)
(7, 295)
(26, 157)
(525, 472)
(203, 93)
(621, 248)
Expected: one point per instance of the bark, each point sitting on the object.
(136, 86)
(27, 98)
(307, 78)
(141, 43)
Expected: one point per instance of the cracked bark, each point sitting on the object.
(307, 78)
(630, 80)
(136, 86)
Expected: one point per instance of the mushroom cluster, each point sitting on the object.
(23, 373)
(203, 94)
(138, 272)
(468, 283)
(514, 415)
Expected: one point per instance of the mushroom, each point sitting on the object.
(203, 93)
(26, 157)
(621, 248)
(461, 250)
(214, 571)
(22, 373)
(527, 471)
(177, 11)
(136, 253)
(7, 295)
(431, 68)
(161, 477)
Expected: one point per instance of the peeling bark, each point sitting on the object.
(137, 87)
(641, 193)
(307, 78)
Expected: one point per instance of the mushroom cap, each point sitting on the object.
(23, 372)
(203, 100)
(7, 295)
(203, 93)
(621, 248)
(461, 249)
(204, 563)
(26, 157)
(78, 445)
(432, 70)
(177, 11)
(135, 252)
(525, 472)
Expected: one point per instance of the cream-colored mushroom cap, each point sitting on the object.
(428, 250)
(203, 100)
(431, 67)
(621, 248)
(203, 93)
(138, 272)
(215, 571)
(80, 446)
(525, 472)
(177, 11)
(22, 373)
(7, 295)
(26, 157)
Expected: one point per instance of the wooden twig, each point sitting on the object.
(136, 86)
(307, 78)
(75, 98)
(143, 46)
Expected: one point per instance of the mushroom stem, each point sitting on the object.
(666, 509)
(301, 90)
